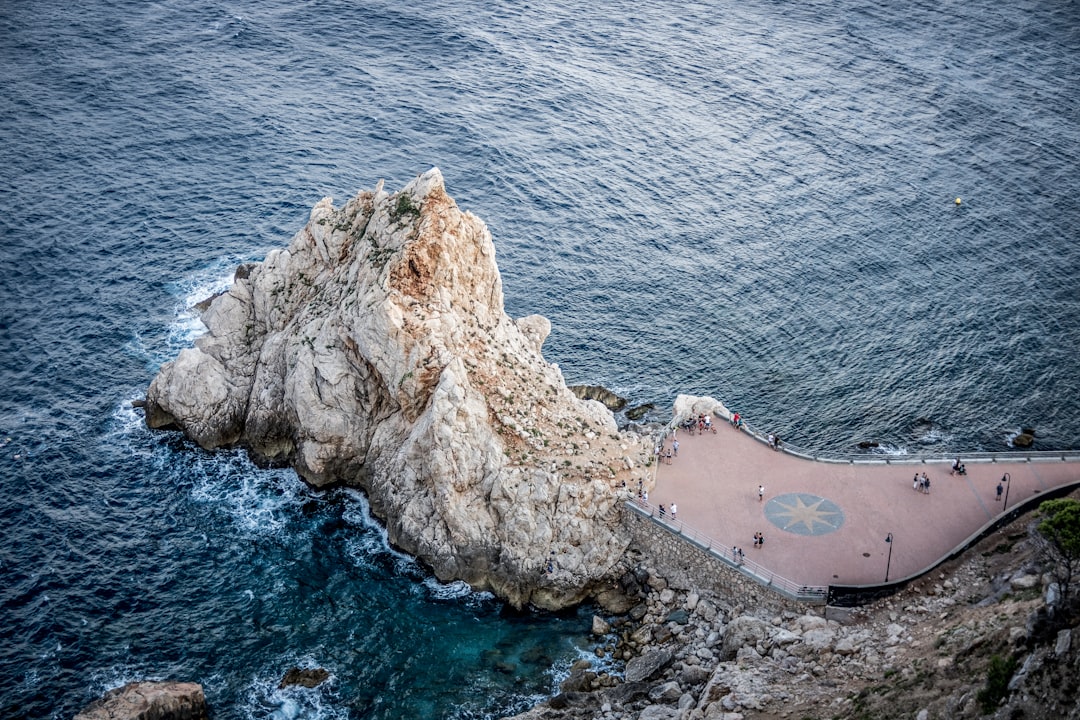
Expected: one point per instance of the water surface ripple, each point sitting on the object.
(752, 200)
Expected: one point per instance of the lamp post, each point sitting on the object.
(1005, 479)
(888, 539)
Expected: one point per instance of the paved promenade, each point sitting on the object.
(826, 522)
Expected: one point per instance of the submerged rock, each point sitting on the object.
(304, 677)
(375, 351)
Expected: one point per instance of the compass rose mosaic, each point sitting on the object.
(804, 514)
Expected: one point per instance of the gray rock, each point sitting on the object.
(1023, 581)
(149, 701)
(646, 666)
(668, 692)
(846, 646)
(819, 638)
(679, 617)
(600, 626)
(627, 692)
(1064, 641)
(658, 712)
(692, 676)
(740, 632)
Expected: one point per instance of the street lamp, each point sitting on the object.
(888, 539)
(1005, 479)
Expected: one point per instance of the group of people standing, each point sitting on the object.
(921, 483)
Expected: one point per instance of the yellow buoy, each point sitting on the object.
(957, 201)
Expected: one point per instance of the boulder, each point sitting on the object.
(149, 701)
(600, 626)
(375, 351)
(646, 666)
(740, 632)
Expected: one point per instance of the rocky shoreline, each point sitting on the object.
(923, 653)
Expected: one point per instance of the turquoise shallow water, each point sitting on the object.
(751, 200)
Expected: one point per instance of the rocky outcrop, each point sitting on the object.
(149, 701)
(375, 351)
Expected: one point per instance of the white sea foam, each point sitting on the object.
(210, 281)
(935, 436)
(266, 701)
(889, 449)
(371, 540)
(259, 501)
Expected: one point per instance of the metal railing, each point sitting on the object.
(728, 555)
(871, 458)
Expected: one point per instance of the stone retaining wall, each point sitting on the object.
(687, 567)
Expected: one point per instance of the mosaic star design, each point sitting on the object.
(804, 514)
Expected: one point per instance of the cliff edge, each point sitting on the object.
(375, 351)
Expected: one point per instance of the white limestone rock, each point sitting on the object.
(375, 351)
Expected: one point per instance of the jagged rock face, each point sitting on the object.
(375, 351)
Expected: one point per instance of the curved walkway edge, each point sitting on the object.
(840, 527)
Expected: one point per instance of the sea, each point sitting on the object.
(852, 222)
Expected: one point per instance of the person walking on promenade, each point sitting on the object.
(662, 511)
(760, 493)
(926, 484)
(1000, 489)
(915, 483)
(675, 447)
(674, 509)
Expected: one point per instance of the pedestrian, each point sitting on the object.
(645, 497)
(772, 441)
(662, 511)
(675, 446)
(915, 483)
(926, 484)
(760, 493)
(667, 456)
(1000, 489)
(674, 509)
(757, 539)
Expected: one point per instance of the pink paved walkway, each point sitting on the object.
(714, 481)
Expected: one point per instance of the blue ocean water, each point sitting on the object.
(752, 200)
